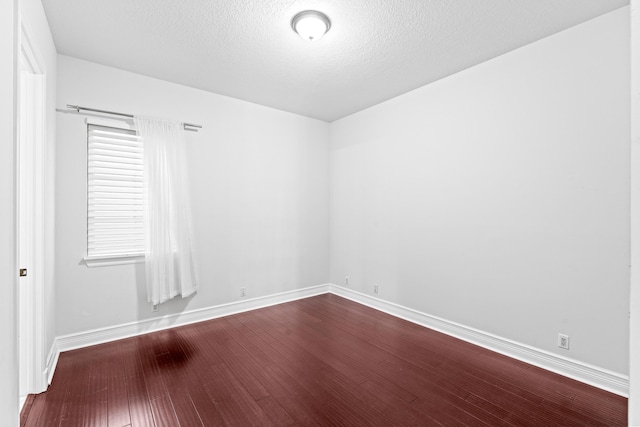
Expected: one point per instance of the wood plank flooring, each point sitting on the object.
(313, 362)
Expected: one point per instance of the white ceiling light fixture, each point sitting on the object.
(311, 25)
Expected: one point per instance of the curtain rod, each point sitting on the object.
(78, 108)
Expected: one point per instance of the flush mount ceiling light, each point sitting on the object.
(311, 25)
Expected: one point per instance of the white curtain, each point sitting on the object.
(169, 261)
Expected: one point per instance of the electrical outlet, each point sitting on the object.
(243, 292)
(375, 289)
(346, 280)
(563, 341)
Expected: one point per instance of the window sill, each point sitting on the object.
(113, 260)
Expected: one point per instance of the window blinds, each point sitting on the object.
(114, 193)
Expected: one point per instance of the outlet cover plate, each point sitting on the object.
(563, 341)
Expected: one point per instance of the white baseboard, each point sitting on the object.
(593, 375)
(112, 333)
(52, 362)
(589, 374)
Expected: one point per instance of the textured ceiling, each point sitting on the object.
(375, 50)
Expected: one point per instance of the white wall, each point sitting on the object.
(8, 302)
(35, 21)
(498, 197)
(259, 181)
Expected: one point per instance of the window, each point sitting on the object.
(114, 194)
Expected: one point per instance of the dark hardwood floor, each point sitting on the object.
(317, 361)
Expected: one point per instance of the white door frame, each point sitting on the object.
(634, 305)
(30, 217)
